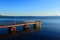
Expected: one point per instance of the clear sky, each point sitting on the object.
(30, 7)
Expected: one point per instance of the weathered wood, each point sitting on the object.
(12, 28)
(21, 24)
(26, 27)
(36, 25)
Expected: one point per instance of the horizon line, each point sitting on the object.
(27, 15)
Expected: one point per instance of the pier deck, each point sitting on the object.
(25, 25)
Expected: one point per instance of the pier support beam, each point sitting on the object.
(36, 25)
(12, 30)
(26, 27)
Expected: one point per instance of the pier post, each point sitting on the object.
(12, 30)
(26, 27)
(36, 25)
(40, 24)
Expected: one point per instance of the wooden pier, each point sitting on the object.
(25, 25)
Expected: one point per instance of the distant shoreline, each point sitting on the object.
(30, 16)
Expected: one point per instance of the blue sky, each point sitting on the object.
(30, 7)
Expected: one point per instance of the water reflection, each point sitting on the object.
(19, 33)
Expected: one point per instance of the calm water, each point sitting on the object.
(50, 28)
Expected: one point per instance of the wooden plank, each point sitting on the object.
(21, 24)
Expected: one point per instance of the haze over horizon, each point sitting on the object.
(30, 7)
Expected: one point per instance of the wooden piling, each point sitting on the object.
(12, 30)
(26, 27)
(36, 25)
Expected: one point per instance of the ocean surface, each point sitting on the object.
(50, 29)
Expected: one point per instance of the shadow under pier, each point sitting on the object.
(2, 37)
